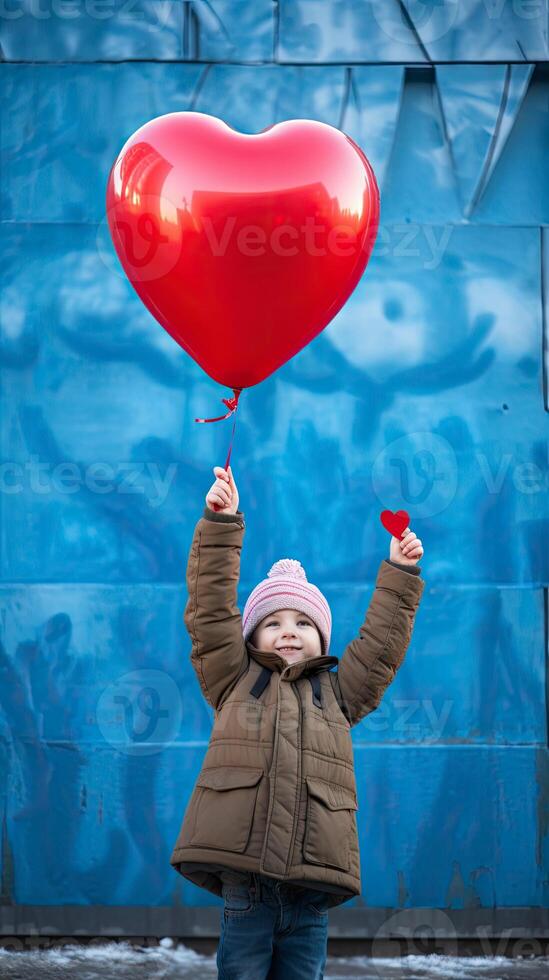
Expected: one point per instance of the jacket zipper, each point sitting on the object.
(300, 755)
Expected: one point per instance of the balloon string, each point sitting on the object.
(232, 405)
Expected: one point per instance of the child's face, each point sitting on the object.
(288, 628)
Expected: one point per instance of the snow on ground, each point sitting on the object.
(175, 961)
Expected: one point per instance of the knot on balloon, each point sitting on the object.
(232, 405)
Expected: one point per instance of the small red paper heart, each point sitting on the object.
(395, 523)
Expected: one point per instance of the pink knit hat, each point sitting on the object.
(286, 587)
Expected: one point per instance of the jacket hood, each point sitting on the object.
(290, 672)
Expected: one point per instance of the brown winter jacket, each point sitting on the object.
(276, 793)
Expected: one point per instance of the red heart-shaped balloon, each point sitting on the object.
(395, 523)
(242, 246)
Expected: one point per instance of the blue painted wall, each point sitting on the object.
(428, 391)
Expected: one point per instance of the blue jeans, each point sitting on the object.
(271, 930)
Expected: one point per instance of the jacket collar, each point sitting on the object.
(290, 672)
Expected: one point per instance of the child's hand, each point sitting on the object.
(222, 496)
(408, 551)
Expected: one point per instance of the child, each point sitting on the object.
(271, 823)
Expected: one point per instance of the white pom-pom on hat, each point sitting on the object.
(288, 568)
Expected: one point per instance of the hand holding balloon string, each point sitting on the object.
(222, 497)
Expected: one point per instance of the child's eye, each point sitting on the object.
(304, 621)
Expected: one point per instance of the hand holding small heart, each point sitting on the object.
(405, 547)
(408, 550)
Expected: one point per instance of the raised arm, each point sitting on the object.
(212, 617)
(370, 662)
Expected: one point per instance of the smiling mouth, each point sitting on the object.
(288, 649)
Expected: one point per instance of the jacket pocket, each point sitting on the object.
(329, 823)
(222, 810)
